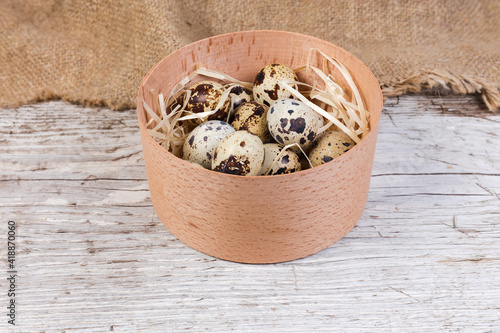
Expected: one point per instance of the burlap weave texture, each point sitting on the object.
(97, 52)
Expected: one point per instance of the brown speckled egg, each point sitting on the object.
(251, 117)
(238, 94)
(291, 121)
(205, 96)
(329, 146)
(200, 144)
(239, 153)
(288, 162)
(320, 120)
(267, 86)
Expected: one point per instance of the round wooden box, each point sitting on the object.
(261, 219)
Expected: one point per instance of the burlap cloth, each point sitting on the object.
(97, 52)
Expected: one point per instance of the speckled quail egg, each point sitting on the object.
(329, 146)
(320, 120)
(291, 121)
(251, 117)
(200, 144)
(205, 96)
(308, 146)
(239, 153)
(288, 162)
(267, 86)
(238, 94)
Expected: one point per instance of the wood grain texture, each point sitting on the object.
(258, 219)
(93, 257)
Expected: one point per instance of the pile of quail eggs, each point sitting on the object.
(265, 119)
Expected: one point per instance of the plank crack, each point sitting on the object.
(402, 292)
(437, 174)
(491, 192)
(72, 180)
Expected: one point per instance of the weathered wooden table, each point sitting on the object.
(91, 255)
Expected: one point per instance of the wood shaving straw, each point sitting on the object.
(350, 116)
(169, 128)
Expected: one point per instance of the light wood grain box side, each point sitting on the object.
(260, 219)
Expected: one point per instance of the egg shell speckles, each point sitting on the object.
(267, 86)
(239, 94)
(205, 96)
(252, 117)
(291, 121)
(200, 144)
(289, 162)
(329, 146)
(240, 153)
(320, 120)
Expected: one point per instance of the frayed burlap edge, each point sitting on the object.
(48, 95)
(457, 83)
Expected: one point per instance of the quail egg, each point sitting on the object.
(267, 86)
(205, 96)
(251, 117)
(320, 120)
(200, 144)
(291, 121)
(239, 153)
(308, 146)
(238, 94)
(329, 146)
(288, 162)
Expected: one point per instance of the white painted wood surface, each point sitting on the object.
(93, 257)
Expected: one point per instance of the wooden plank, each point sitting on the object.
(92, 255)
